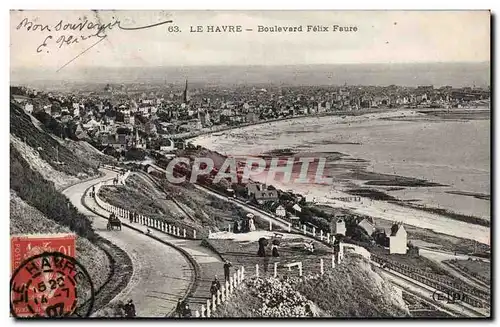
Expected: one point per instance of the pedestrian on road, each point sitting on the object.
(227, 266)
(187, 311)
(130, 309)
(179, 309)
(215, 286)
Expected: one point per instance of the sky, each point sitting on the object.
(381, 37)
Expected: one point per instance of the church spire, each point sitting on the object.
(185, 95)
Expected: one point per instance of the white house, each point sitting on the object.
(398, 239)
(280, 211)
(339, 227)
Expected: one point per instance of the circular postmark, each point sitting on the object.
(51, 284)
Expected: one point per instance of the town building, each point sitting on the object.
(367, 225)
(398, 239)
(280, 211)
(338, 226)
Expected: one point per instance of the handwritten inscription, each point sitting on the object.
(77, 32)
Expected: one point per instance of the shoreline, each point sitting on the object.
(425, 218)
(188, 138)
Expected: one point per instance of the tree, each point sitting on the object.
(135, 154)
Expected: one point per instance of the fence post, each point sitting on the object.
(178, 231)
(219, 294)
(300, 269)
(304, 229)
(214, 302)
(270, 224)
(230, 288)
(321, 235)
(208, 308)
(184, 233)
(333, 260)
(341, 252)
(257, 270)
(242, 273)
(314, 231)
(202, 311)
(321, 266)
(197, 314)
(223, 294)
(228, 291)
(328, 237)
(289, 227)
(169, 228)
(275, 269)
(194, 233)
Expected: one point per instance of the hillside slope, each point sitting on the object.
(25, 219)
(48, 148)
(353, 289)
(40, 165)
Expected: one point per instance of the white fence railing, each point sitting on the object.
(223, 294)
(141, 219)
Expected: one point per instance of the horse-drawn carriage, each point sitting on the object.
(113, 222)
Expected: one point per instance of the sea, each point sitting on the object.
(451, 153)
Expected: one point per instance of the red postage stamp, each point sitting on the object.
(44, 276)
(25, 246)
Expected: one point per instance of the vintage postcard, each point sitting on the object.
(250, 164)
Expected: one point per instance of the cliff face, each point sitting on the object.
(36, 143)
(40, 164)
(353, 289)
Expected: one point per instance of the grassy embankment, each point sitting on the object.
(25, 219)
(244, 253)
(49, 149)
(353, 289)
(204, 211)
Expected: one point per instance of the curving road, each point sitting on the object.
(161, 274)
